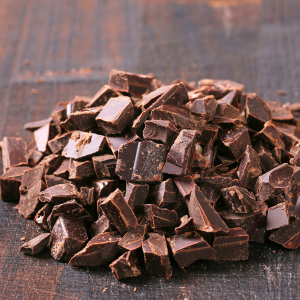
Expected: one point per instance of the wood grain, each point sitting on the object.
(66, 47)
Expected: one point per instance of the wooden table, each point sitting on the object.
(51, 51)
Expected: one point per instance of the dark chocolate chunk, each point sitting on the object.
(42, 136)
(100, 226)
(115, 115)
(133, 239)
(42, 215)
(100, 250)
(227, 114)
(205, 107)
(158, 217)
(36, 245)
(125, 266)
(102, 96)
(156, 256)
(164, 193)
(217, 182)
(118, 212)
(267, 161)
(180, 157)
(141, 161)
(211, 194)
(32, 126)
(51, 163)
(104, 187)
(278, 216)
(68, 236)
(208, 135)
(280, 112)
(187, 225)
(136, 194)
(59, 142)
(82, 144)
(13, 152)
(231, 98)
(185, 184)
(63, 170)
(232, 246)
(204, 215)
(80, 170)
(88, 194)
(105, 166)
(52, 180)
(34, 158)
(190, 247)
(152, 97)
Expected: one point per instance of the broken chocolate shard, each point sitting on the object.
(118, 212)
(184, 184)
(232, 246)
(32, 126)
(278, 216)
(231, 99)
(280, 112)
(141, 161)
(125, 266)
(190, 247)
(36, 245)
(52, 180)
(41, 216)
(100, 250)
(104, 187)
(80, 170)
(156, 256)
(136, 194)
(217, 182)
(160, 217)
(51, 163)
(151, 98)
(100, 226)
(87, 194)
(205, 107)
(41, 137)
(227, 114)
(133, 239)
(205, 217)
(59, 142)
(115, 142)
(115, 115)
(13, 152)
(187, 225)
(68, 236)
(105, 166)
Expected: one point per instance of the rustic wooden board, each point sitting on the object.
(71, 46)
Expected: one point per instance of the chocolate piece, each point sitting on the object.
(32, 126)
(80, 170)
(208, 135)
(100, 250)
(102, 96)
(135, 84)
(125, 266)
(138, 124)
(10, 182)
(105, 166)
(227, 114)
(13, 152)
(104, 187)
(51, 163)
(187, 225)
(164, 193)
(156, 256)
(115, 142)
(211, 194)
(205, 107)
(239, 200)
(273, 182)
(185, 184)
(69, 208)
(231, 99)
(61, 193)
(200, 162)
(100, 226)
(30, 178)
(68, 236)
(190, 247)
(217, 182)
(267, 161)
(34, 158)
(152, 97)
(133, 239)
(42, 215)
(288, 236)
(204, 215)
(41, 136)
(278, 216)
(236, 140)
(118, 212)
(160, 131)
(257, 112)
(82, 144)
(136, 194)
(232, 246)
(63, 170)
(179, 159)
(59, 142)
(52, 180)
(141, 161)
(280, 112)
(115, 115)
(36, 245)
(88, 195)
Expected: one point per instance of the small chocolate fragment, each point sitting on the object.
(51, 163)
(187, 225)
(136, 194)
(205, 107)
(82, 144)
(118, 212)
(135, 84)
(236, 140)
(41, 136)
(100, 226)
(32, 126)
(152, 97)
(231, 99)
(100, 250)
(105, 166)
(164, 193)
(204, 215)
(34, 158)
(227, 114)
(133, 239)
(42, 215)
(125, 266)
(88, 194)
(63, 170)
(36, 245)
(160, 131)
(104, 187)
(267, 161)
(68, 236)
(217, 182)
(211, 194)
(288, 236)
(232, 246)
(115, 142)
(256, 111)
(116, 115)
(30, 178)
(52, 180)
(208, 135)
(141, 161)
(80, 170)
(278, 216)
(59, 142)
(184, 184)
(156, 256)
(180, 157)
(102, 96)
(158, 217)
(190, 247)
(13, 152)
(69, 208)
(280, 112)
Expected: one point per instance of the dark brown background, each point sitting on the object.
(72, 45)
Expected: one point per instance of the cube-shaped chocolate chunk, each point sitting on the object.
(36, 245)
(205, 107)
(136, 194)
(278, 216)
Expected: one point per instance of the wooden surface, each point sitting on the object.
(70, 46)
